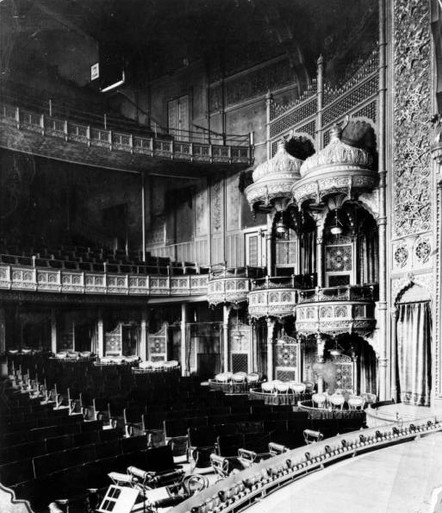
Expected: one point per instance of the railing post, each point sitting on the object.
(320, 96)
(17, 117)
(211, 153)
(88, 135)
(191, 151)
(131, 143)
(110, 140)
(151, 147)
(65, 129)
(50, 107)
(42, 124)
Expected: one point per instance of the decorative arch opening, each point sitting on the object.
(351, 246)
(413, 345)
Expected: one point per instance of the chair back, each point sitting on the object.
(239, 377)
(356, 402)
(319, 400)
(268, 387)
(253, 377)
(297, 388)
(337, 401)
(282, 388)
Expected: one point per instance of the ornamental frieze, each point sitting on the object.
(412, 111)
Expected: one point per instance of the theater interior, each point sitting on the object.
(220, 256)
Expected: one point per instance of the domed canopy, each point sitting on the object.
(282, 164)
(339, 168)
(337, 153)
(273, 180)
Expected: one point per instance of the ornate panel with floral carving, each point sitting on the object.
(412, 111)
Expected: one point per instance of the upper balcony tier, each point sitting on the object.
(336, 310)
(187, 153)
(230, 285)
(276, 296)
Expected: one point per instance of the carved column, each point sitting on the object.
(143, 335)
(270, 328)
(143, 216)
(320, 358)
(319, 260)
(320, 96)
(382, 222)
(2, 331)
(183, 338)
(53, 331)
(393, 356)
(100, 333)
(269, 102)
(226, 314)
(269, 245)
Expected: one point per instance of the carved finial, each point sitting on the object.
(335, 133)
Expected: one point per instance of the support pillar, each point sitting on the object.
(2, 331)
(384, 336)
(320, 358)
(184, 370)
(270, 328)
(100, 325)
(226, 314)
(393, 356)
(53, 331)
(269, 245)
(319, 266)
(143, 336)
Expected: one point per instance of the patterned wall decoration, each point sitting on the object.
(401, 255)
(114, 340)
(422, 250)
(338, 258)
(157, 345)
(217, 206)
(255, 83)
(201, 213)
(233, 202)
(412, 111)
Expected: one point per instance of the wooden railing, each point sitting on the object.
(239, 491)
(236, 149)
(73, 282)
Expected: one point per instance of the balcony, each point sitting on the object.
(21, 278)
(129, 148)
(230, 285)
(273, 296)
(336, 310)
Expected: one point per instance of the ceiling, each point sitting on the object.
(156, 37)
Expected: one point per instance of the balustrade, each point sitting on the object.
(74, 282)
(237, 149)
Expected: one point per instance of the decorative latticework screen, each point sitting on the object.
(345, 373)
(240, 362)
(287, 359)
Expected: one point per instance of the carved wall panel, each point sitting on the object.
(201, 213)
(217, 200)
(412, 111)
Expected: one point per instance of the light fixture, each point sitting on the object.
(280, 227)
(337, 350)
(336, 228)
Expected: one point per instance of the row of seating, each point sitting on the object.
(152, 267)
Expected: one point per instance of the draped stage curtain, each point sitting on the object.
(414, 352)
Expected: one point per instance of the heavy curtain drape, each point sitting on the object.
(414, 352)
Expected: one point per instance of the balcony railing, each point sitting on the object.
(336, 310)
(347, 293)
(41, 280)
(195, 146)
